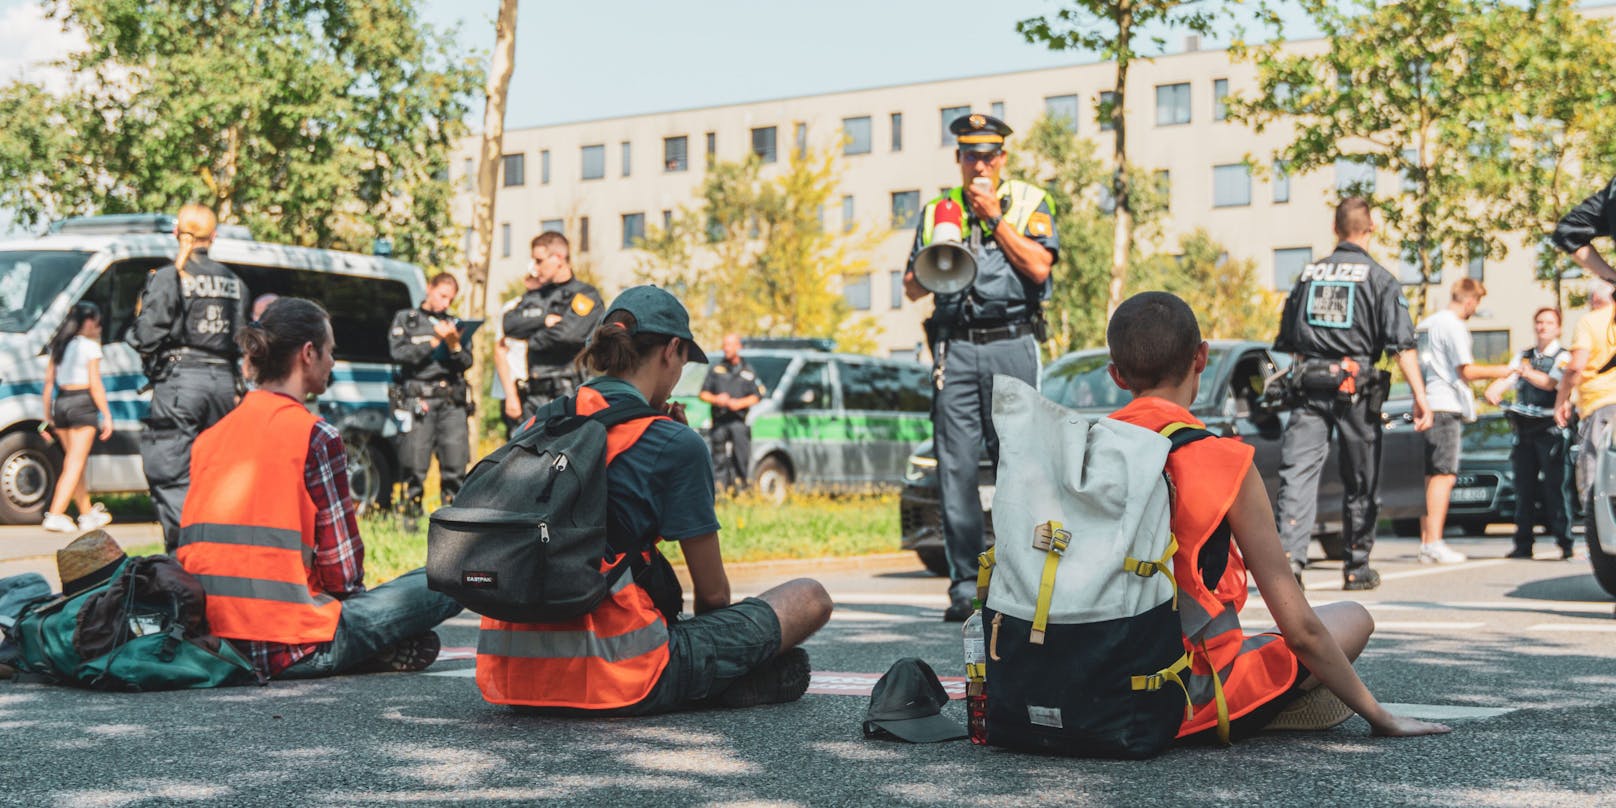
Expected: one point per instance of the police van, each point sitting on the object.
(105, 260)
(827, 421)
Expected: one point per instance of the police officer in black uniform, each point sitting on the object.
(185, 332)
(731, 389)
(1541, 446)
(556, 319)
(1342, 314)
(990, 328)
(430, 388)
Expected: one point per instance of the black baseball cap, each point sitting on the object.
(658, 312)
(907, 703)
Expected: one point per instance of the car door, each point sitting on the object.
(114, 464)
(1262, 429)
(810, 424)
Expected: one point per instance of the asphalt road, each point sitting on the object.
(1533, 638)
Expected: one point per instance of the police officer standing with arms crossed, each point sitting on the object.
(732, 389)
(1342, 314)
(990, 328)
(556, 319)
(430, 387)
(185, 333)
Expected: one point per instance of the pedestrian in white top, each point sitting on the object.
(1449, 365)
(75, 406)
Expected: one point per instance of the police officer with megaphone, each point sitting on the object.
(985, 252)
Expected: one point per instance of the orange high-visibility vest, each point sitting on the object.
(609, 658)
(247, 529)
(1231, 673)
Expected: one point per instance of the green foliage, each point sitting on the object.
(315, 122)
(1224, 292)
(752, 256)
(1112, 29)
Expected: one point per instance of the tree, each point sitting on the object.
(1116, 30)
(1070, 170)
(482, 210)
(1414, 87)
(753, 255)
(1229, 303)
(323, 123)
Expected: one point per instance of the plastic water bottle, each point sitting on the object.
(976, 674)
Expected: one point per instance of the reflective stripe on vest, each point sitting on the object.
(247, 529)
(1024, 200)
(609, 658)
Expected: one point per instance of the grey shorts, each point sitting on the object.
(74, 408)
(1442, 444)
(710, 650)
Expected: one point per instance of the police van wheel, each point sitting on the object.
(28, 472)
(370, 475)
(1604, 564)
(771, 479)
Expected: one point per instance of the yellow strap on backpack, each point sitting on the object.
(1054, 544)
(1145, 569)
(984, 572)
(1152, 682)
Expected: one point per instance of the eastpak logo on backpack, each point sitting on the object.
(526, 538)
(1085, 648)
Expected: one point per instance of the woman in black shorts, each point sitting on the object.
(76, 410)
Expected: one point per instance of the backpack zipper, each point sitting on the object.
(556, 468)
(544, 533)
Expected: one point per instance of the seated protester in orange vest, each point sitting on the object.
(634, 655)
(269, 529)
(1224, 525)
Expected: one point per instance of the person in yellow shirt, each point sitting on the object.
(1592, 374)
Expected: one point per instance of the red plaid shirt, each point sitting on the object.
(339, 554)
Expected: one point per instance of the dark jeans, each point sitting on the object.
(1357, 430)
(1540, 448)
(192, 398)
(374, 621)
(440, 430)
(730, 443)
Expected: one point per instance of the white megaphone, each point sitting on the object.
(945, 266)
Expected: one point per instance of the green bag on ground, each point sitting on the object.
(143, 629)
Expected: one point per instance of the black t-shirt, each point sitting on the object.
(738, 381)
(1346, 305)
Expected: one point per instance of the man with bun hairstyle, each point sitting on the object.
(185, 332)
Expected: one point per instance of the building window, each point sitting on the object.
(997, 109)
(856, 289)
(1490, 346)
(1477, 266)
(667, 221)
(847, 213)
(801, 137)
(896, 277)
(628, 158)
(948, 117)
(1354, 176)
(505, 240)
(712, 147)
(1231, 186)
(1409, 265)
(856, 135)
(553, 226)
(544, 167)
(1220, 99)
(763, 143)
(594, 158)
(1172, 104)
(905, 209)
(1282, 183)
(675, 153)
(897, 131)
(514, 169)
(1408, 179)
(583, 234)
(469, 180)
(1108, 101)
(1062, 106)
(1164, 186)
(633, 230)
(1288, 265)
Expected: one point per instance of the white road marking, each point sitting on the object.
(1571, 628)
(858, 616)
(1334, 582)
(1445, 712)
(1395, 625)
(463, 673)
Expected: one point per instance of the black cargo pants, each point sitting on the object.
(730, 443)
(1357, 429)
(439, 427)
(193, 397)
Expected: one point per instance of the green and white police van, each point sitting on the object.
(105, 260)
(827, 421)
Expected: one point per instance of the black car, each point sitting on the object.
(1228, 404)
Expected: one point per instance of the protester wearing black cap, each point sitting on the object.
(992, 327)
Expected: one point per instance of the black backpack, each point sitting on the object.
(525, 538)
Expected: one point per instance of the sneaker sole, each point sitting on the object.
(795, 670)
(1317, 710)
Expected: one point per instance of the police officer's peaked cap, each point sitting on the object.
(979, 133)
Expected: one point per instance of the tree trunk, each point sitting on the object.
(1122, 233)
(482, 213)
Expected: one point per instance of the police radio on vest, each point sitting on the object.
(945, 267)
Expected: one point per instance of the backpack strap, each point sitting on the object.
(619, 413)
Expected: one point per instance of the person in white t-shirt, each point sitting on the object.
(510, 360)
(1449, 365)
(76, 410)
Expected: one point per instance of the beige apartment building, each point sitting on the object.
(602, 182)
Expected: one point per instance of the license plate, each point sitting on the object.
(986, 491)
(1471, 495)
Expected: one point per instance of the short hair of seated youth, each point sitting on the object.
(1153, 337)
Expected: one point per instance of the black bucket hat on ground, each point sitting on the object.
(907, 703)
